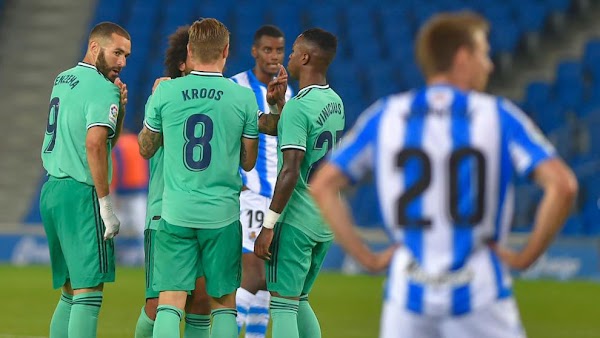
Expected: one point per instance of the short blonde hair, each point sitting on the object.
(208, 39)
(442, 36)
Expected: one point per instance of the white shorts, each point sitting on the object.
(498, 320)
(252, 215)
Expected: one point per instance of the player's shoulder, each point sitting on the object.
(241, 79)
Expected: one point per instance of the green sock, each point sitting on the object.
(83, 322)
(284, 314)
(167, 321)
(59, 326)
(196, 326)
(308, 324)
(144, 326)
(224, 324)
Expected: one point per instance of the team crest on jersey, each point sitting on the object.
(113, 113)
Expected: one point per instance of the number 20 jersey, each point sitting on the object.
(203, 117)
(443, 161)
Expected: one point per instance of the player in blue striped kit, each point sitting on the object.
(252, 298)
(443, 158)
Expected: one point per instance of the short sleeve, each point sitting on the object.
(527, 145)
(153, 119)
(252, 114)
(355, 155)
(103, 109)
(293, 131)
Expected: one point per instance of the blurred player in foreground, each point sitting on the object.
(443, 159)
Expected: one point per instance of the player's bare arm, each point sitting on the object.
(286, 181)
(121, 117)
(276, 89)
(248, 153)
(325, 188)
(560, 190)
(97, 157)
(149, 142)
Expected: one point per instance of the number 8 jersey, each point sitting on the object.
(202, 117)
(443, 162)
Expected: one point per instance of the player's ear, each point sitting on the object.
(254, 52)
(94, 47)
(226, 51)
(305, 59)
(181, 66)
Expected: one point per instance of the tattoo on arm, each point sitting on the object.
(149, 142)
(267, 124)
(243, 153)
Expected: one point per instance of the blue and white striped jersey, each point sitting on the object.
(262, 178)
(443, 162)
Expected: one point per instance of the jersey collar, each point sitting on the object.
(307, 88)
(201, 73)
(87, 65)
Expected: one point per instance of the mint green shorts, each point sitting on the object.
(181, 251)
(75, 231)
(296, 260)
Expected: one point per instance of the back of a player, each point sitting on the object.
(203, 120)
(312, 121)
(81, 98)
(443, 161)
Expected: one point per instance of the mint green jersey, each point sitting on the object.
(81, 98)
(312, 121)
(156, 187)
(203, 117)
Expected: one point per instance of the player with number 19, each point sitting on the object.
(209, 127)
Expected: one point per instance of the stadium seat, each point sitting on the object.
(537, 94)
(569, 70)
(531, 16)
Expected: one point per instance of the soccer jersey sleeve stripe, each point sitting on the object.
(291, 146)
(249, 136)
(112, 129)
(156, 130)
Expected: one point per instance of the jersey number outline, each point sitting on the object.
(51, 128)
(202, 141)
(325, 136)
(418, 188)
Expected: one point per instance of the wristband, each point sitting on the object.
(105, 203)
(273, 109)
(270, 219)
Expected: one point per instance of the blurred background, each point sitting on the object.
(546, 55)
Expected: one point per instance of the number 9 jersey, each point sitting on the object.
(202, 117)
(443, 162)
(81, 98)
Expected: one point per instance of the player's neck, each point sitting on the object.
(446, 79)
(261, 76)
(89, 59)
(309, 79)
(214, 67)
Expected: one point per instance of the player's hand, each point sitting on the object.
(263, 243)
(277, 87)
(123, 91)
(379, 261)
(159, 80)
(514, 259)
(111, 222)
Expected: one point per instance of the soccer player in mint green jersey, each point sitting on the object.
(208, 127)
(85, 118)
(197, 317)
(294, 238)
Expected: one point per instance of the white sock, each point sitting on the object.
(258, 315)
(243, 299)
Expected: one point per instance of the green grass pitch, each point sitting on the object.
(347, 306)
